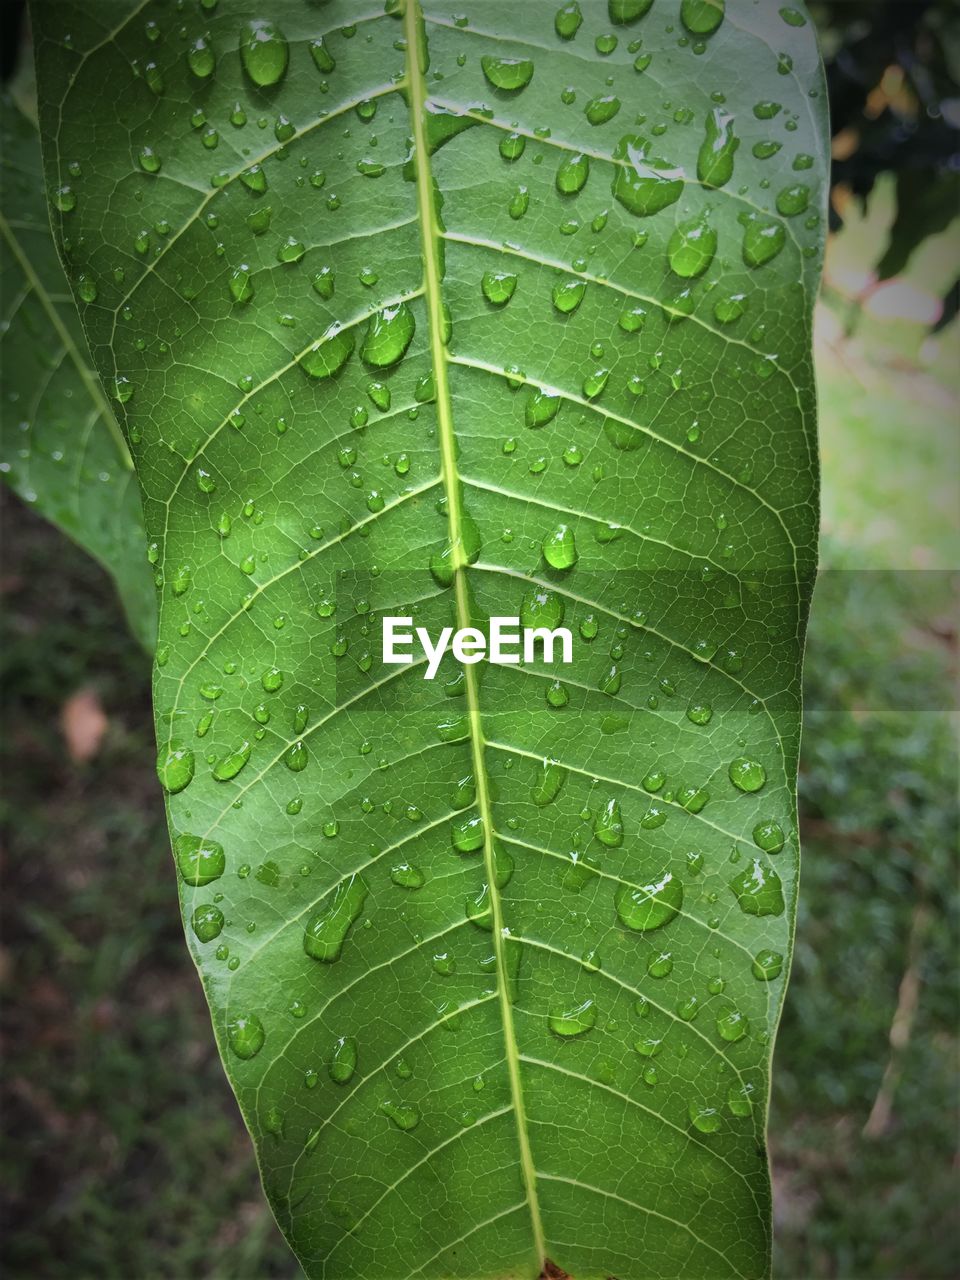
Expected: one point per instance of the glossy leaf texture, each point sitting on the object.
(506, 313)
(60, 449)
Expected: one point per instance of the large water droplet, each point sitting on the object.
(175, 765)
(622, 12)
(328, 356)
(747, 775)
(263, 52)
(568, 1022)
(768, 836)
(404, 1115)
(691, 248)
(767, 965)
(702, 17)
(245, 1035)
(388, 335)
(200, 860)
(207, 922)
(326, 932)
(762, 241)
(567, 20)
(572, 173)
(511, 74)
(343, 1060)
(644, 184)
(758, 890)
(548, 784)
(229, 766)
(649, 906)
(608, 825)
(559, 547)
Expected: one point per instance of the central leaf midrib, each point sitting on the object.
(415, 33)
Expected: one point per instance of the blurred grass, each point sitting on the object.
(125, 1156)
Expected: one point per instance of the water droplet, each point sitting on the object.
(595, 381)
(567, 295)
(542, 407)
(608, 825)
(199, 860)
(510, 74)
(322, 57)
(175, 766)
(705, 1119)
(739, 1099)
(328, 356)
(758, 890)
(732, 1025)
(291, 250)
(567, 20)
(602, 108)
(548, 784)
(715, 158)
(762, 241)
(650, 906)
(343, 1060)
(623, 12)
(692, 248)
(263, 52)
(793, 200)
(658, 966)
(207, 922)
(767, 965)
(149, 160)
(201, 59)
(572, 173)
(404, 1115)
(407, 876)
(747, 775)
(498, 287)
(559, 547)
(568, 1022)
(326, 932)
(541, 609)
(699, 713)
(644, 184)
(241, 286)
(702, 17)
(467, 834)
(229, 766)
(768, 836)
(389, 334)
(295, 757)
(245, 1035)
(727, 310)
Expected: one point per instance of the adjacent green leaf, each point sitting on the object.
(506, 313)
(61, 449)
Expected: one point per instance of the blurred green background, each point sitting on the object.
(125, 1155)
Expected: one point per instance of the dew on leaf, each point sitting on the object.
(758, 890)
(326, 931)
(569, 1021)
(510, 74)
(200, 860)
(245, 1035)
(650, 906)
(263, 52)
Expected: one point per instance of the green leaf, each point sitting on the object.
(61, 449)
(499, 315)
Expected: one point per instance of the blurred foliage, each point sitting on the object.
(892, 78)
(879, 898)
